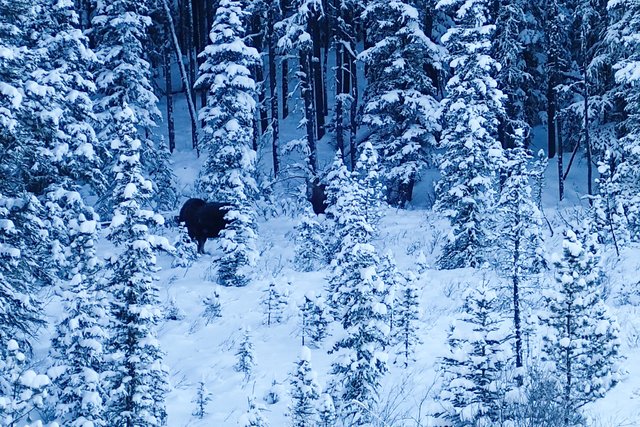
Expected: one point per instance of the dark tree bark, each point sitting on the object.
(306, 88)
(166, 65)
(353, 72)
(560, 160)
(273, 85)
(317, 77)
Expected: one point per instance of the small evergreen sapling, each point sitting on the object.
(253, 417)
(311, 252)
(314, 319)
(203, 397)
(212, 307)
(581, 342)
(474, 368)
(245, 356)
(274, 303)
(304, 392)
(186, 249)
(407, 319)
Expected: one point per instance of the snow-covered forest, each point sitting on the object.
(414, 213)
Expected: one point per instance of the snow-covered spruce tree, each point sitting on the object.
(369, 176)
(357, 294)
(314, 320)
(58, 100)
(228, 172)
(520, 255)
(581, 338)
(473, 387)
(77, 347)
(513, 78)
(21, 389)
(186, 249)
(406, 321)
(123, 76)
(245, 356)
(472, 155)
(608, 209)
(305, 392)
(274, 303)
(253, 417)
(625, 155)
(400, 106)
(327, 411)
(311, 252)
(137, 383)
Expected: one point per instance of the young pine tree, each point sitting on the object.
(472, 155)
(581, 341)
(327, 412)
(311, 252)
(305, 392)
(315, 319)
(245, 356)
(473, 386)
(520, 255)
(186, 249)
(400, 106)
(138, 377)
(203, 397)
(78, 345)
(358, 300)
(407, 319)
(274, 303)
(228, 172)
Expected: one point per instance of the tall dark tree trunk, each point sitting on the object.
(273, 87)
(353, 71)
(317, 78)
(560, 160)
(339, 98)
(166, 65)
(516, 311)
(285, 88)
(258, 71)
(192, 64)
(551, 118)
(309, 113)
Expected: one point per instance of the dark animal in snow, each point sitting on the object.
(203, 220)
(318, 198)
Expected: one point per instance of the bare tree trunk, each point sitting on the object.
(354, 109)
(309, 113)
(560, 165)
(166, 63)
(339, 98)
(587, 140)
(185, 77)
(273, 87)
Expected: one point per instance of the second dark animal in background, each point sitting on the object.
(203, 220)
